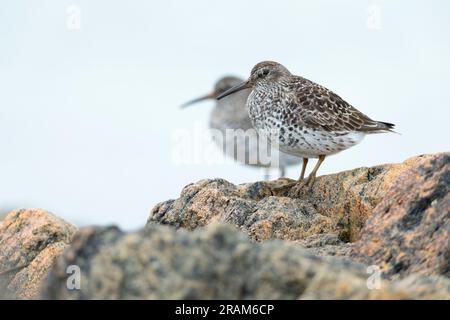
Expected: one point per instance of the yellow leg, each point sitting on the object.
(312, 176)
(302, 175)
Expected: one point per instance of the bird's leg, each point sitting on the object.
(312, 176)
(302, 174)
(282, 171)
(266, 174)
(297, 186)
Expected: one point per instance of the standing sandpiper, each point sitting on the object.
(231, 114)
(308, 120)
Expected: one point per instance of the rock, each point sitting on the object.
(387, 225)
(428, 287)
(216, 262)
(30, 240)
(255, 208)
(330, 286)
(409, 230)
(408, 205)
(326, 245)
(338, 204)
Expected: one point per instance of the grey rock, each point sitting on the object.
(216, 262)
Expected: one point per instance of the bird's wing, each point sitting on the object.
(322, 108)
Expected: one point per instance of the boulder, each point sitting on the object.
(409, 230)
(367, 233)
(338, 204)
(394, 216)
(30, 240)
(216, 262)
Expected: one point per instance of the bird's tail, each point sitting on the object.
(384, 127)
(388, 126)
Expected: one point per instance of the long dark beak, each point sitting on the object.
(211, 95)
(239, 87)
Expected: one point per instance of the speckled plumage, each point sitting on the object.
(307, 119)
(231, 114)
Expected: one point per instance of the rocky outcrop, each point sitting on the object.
(338, 204)
(409, 230)
(30, 241)
(217, 262)
(408, 205)
(368, 233)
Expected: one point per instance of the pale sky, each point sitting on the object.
(88, 115)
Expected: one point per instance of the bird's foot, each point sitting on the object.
(288, 180)
(310, 181)
(297, 189)
(281, 186)
(302, 186)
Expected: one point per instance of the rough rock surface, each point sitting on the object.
(338, 204)
(217, 262)
(408, 205)
(258, 240)
(409, 231)
(30, 240)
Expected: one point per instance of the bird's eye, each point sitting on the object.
(264, 73)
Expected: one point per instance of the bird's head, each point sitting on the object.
(265, 72)
(222, 85)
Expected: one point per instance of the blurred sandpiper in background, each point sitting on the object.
(234, 134)
(91, 90)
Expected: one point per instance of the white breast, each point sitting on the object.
(310, 144)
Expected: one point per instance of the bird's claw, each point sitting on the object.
(301, 186)
(283, 187)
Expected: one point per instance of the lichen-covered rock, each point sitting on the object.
(30, 240)
(216, 262)
(409, 230)
(338, 204)
(253, 241)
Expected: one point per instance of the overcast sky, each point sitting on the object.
(89, 106)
